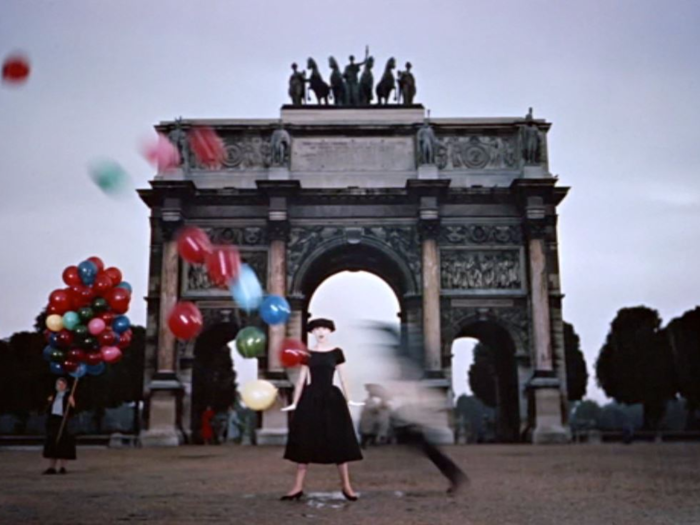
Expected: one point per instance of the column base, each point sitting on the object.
(164, 408)
(278, 173)
(161, 438)
(534, 172)
(428, 171)
(271, 436)
(548, 417)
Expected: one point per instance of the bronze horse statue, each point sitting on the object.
(317, 84)
(387, 84)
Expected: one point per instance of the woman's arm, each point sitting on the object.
(344, 385)
(298, 388)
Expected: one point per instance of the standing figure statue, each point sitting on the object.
(316, 83)
(178, 137)
(387, 84)
(352, 87)
(530, 140)
(281, 144)
(337, 82)
(426, 145)
(367, 83)
(297, 86)
(407, 86)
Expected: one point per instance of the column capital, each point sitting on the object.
(429, 228)
(535, 229)
(278, 230)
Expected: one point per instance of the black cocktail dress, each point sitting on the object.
(321, 429)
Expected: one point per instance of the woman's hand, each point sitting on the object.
(356, 403)
(289, 408)
(71, 400)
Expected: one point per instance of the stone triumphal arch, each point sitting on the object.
(457, 215)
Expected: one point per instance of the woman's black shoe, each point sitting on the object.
(293, 497)
(49, 471)
(348, 496)
(63, 471)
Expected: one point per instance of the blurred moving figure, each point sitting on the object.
(416, 409)
(375, 417)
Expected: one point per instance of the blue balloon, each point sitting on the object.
(80, 371)
(87, 270)
(95, 370)
(125, 285)
(275, 310)
(56, 368)
(47, 352)
(246, 290)
(70, 320)
(53, 340)
(120, 324)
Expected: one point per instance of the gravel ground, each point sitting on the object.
(577, 484)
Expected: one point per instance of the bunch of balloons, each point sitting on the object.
(15, 69)
(86, 325)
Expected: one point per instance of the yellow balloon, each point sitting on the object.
(258, 394)
(54, 322)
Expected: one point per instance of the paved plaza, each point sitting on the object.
(596, 484)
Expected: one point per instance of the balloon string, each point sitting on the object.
(65, 416)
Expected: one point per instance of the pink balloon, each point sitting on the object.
(111, 354)
(162, 153)
(96, 326)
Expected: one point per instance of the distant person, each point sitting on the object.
(321, 429)
(207, 432)
(374, 418)
(59, 448)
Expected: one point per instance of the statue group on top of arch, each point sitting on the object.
(354, 86)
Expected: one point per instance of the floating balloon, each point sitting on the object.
(193, 244)
(99, 264)
(87, 271)
(118, 299)
(125, 285)
(70, 320)
(96, 326)
(61, 301)
(76, 354)
(15, 69)
(47, 352)
(71, 276)
(80, 371)
(111, 354)
(80, 331)
(70, 366)
(93, 358)
(207, 146)
(292, 353)
(90, 343)
(86, 313)
(223, 264)
(185, 320)
(53, 341)
(57, 356)
(99, 304)
(115, 274)
(275, 310)
(64, 338)
(246, 289)
(162, 153)
(250, 342)
(258, 394)
(121, 324)
(103, 283)
(110, 177)
(54, 322)
(56, 368)
(95, 370)
(124, 340)
(107, 338)
(107, 317)
(81, 295)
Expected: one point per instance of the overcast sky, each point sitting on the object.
(619, 80)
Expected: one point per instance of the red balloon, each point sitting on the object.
(77, 355)
(107, 317)
(47, 334)
(293, 353)
(185, 320)
(61, 301)
(118, 299)
(64, 338)
(107, 337)
(207, 146)
(97, 262)
(51, 309)
(15, 69)
(71, 276)
(102, 284)
(115, 274)
(93, 358)
(70, 366)
(81, 295)
(223, 264)
(124, 340)
(193, 244)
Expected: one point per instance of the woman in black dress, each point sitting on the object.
(55, 449)
(321, 430)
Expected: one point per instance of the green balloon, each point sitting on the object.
(57, 356)
(99, 304)
(89, 343)
(80, 331)
(250, 342)
(70, 320)
(110, 177)
(86, 313)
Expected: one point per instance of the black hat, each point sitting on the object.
(320, 323)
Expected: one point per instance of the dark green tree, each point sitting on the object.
(576, 373)
(684, 336)
(635, 365)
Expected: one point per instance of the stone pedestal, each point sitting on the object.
(278, 173)
(534, 172)
(164, 397)
(428, 172)
(548, 422)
